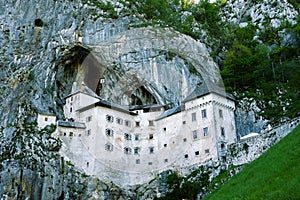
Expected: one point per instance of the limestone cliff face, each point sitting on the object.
(46, 46)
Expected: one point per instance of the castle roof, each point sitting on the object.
(71, 124)
(171, 111)
(107, 104)
(207, 88)
(85, 90)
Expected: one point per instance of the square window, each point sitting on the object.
(109, 147)
(136, 137)
(88, 132)
(222, 131)
(206, 150)
(150, 136)
(193, 117)
(165, 129)
(109, 118)
(203, 113)
(151, 123)
(136, 150)
(109, 132)
(89, 118)
(220, 113)
(197, 153)
(184, 139)
(127, 123)
(166, 160)
(127, 136)
(165, 145)
(205, 131)
(137, 161)
(127, 150)
(186, 156)
(119, 121)
(137, 124)
(71, 134)
(195, 134)
(151, 150)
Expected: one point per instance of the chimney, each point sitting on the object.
(82, 87)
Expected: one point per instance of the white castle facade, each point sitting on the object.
(130, 145)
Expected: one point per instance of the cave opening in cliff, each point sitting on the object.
(141, 96)
(78, 65)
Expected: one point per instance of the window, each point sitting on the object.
(222, 131)
(184, 122)
(71, 134)
(119, 121)
(165, 129)
(136, 137)
(205, 131)
(220, 113)
(206, 150)
(109, 147)
(195, 134)
(137, 124)
(197, 153)
(46, 119)
(149, 163)
(150, 136)
(127, 123)
(136, 150)
(166, 160)
(127, 150)
(70, 109)
(109, 118)
(222, 146)
(165, 145)
(193, 117)
(151, 150)
(65, 134)
(184, 139)
(87, 164)
(79, 135)
(137, 161)
(109, 132)
(88, 132)
(203, 113)
(127, 136)
(151, 123)
(186, 156)
(89, 118)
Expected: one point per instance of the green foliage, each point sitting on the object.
(264, 71)
(274, 175)
(188, 187)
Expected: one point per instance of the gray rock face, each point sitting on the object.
(47, 45)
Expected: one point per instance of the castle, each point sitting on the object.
(130, 145)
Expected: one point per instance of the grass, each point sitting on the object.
(274, 175)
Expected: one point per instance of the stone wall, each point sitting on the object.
(248, 150)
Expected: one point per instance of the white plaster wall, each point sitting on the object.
(172, 140)
(77, 101)
(44, 120)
